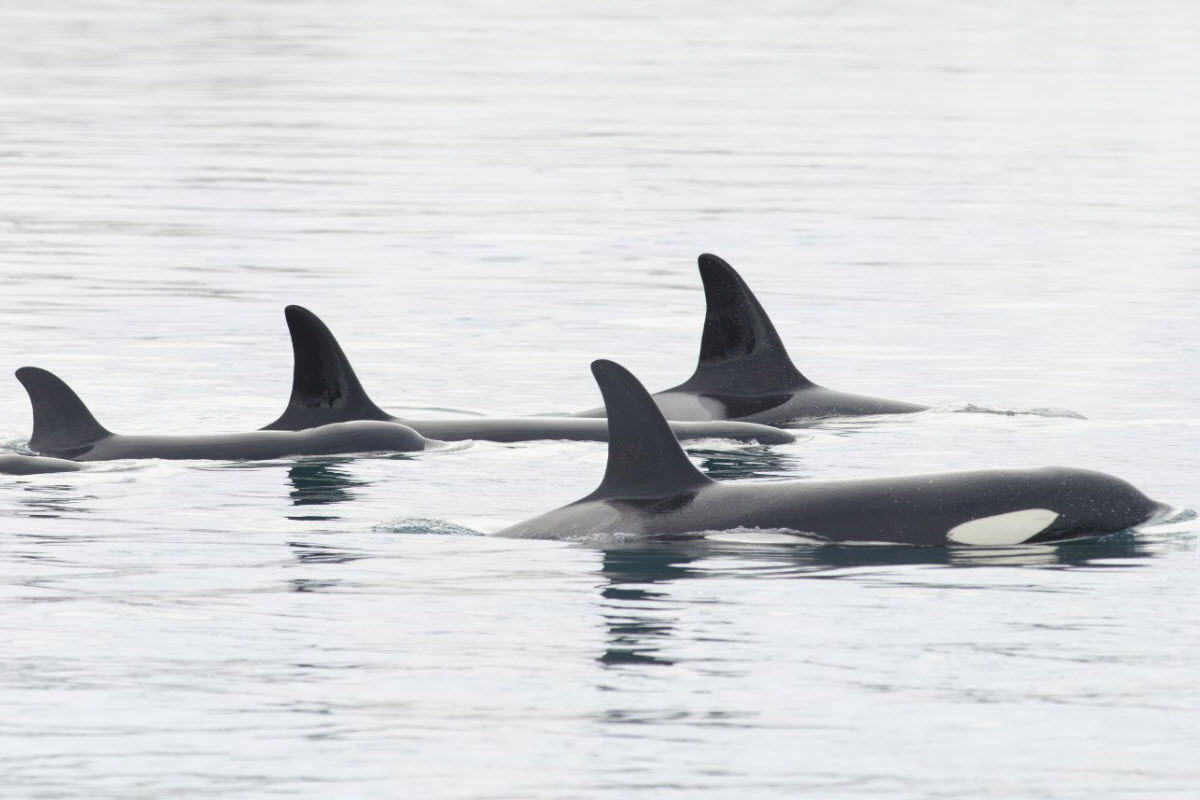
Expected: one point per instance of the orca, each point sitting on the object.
(325, 389)
(651, 490)
(64, 428)
(744, 372)
(20, 464)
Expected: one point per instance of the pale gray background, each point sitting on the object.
(947, 203)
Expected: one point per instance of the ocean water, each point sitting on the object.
(986, 206)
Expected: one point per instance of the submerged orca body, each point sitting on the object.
(20, 464)
(744, 371)
(64, 428)
(326, 390)
(651, 489)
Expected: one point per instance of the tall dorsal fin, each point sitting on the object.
(644, 457)
(324, 386)
(62, 424)
(740, 352)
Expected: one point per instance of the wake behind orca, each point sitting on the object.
(325, 389)
(744, 371)
(651, 490)
(64, 428)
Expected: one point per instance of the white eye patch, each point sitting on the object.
(1011, 528)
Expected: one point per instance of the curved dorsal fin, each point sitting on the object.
(324, 386)
(62, 424)
(740, 352)
(645, 459)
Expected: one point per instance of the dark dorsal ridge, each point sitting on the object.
(62, 424)
(740, 352)
(324, 386)
(645, 459)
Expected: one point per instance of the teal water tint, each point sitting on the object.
(988, 207)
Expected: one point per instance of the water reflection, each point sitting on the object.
(757, 461)
(637, 605)
(308, 553)
(1098, 553)
(321, 481)
(52, 500)
(633, 613)
(305, 585)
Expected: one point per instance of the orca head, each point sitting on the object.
(1068, 503)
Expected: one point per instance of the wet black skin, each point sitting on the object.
(744, 371)
(18, 464)
(911, 509)
(325, 389)
(525, 429)
(64, 428)
(651, 490)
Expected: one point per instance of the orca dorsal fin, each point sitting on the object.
(62, 424)
(740, 352)
(645, 460)
(324, 386)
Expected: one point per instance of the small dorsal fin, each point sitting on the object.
(740, 352)
(645, 459)
(62, 424)
(324, 386)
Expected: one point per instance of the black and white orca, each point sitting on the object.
(744, 372)
(64, 428)
(651, 490)
(325, 390)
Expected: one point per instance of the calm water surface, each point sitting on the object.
(946, 204)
